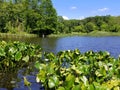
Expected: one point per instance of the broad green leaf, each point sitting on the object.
(18, 56)
(26, 58)
(12, 50)
(51, 83)
(61, 88)
(77, 80)
(37, 65)
(85, 80)
(116, 88)
(2, 52)
(50, 68)
(42, 76)
(56, 80)
(91, 87)
(98, 74)
(70, 79)
(76, 87)
(77, 51)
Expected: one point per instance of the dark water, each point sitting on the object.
(110, 44)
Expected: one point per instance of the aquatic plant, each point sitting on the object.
(73, 70)
(16, 54)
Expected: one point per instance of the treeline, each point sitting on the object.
(40, 17)
(98, 23)
(31, 16)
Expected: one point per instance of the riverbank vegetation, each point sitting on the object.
(93, 34)
(110, 24)
(17, 35)
(40, 17)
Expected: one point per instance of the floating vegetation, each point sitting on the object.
(73, 70)
(66, 70)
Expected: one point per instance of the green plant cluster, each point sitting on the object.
(73, 70)
(16, 55)
(66, 70)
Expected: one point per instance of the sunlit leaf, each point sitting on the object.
(56, 80)
(2, 52)
(70, 79)
(37, 65)
(85, 80)
(76, 87)
(61, 88)
(51, 83)
(26, 58)
(91, 87)
(12, 50)
(18, 56)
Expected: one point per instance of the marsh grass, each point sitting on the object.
(18, 35)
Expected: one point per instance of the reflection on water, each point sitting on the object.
(111, 44)
(48, 44)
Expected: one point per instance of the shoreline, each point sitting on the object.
(20, 35)
(92, 34)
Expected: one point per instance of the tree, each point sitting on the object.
(60, 25)
(89, 27)
(79, 28)
(48, 22)
(104, 27)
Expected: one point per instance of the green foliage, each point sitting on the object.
(89, 27)
(31, 16)
(48, 22)
(98, 23)
(40, 17)
(73, 70)
(16, 55)
(67, 70)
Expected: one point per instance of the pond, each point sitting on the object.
(110, 44)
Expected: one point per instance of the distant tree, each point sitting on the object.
(79, 28)
(104, 27)
(60, 24)
(90, 27)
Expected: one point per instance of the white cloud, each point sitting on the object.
(81, 17)
(65, 18)
(103, 9)
(73, 8)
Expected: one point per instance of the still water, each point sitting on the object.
(110, 44)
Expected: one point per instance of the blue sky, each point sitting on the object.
(79, 9)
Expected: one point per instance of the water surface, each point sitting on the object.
(110, 44)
